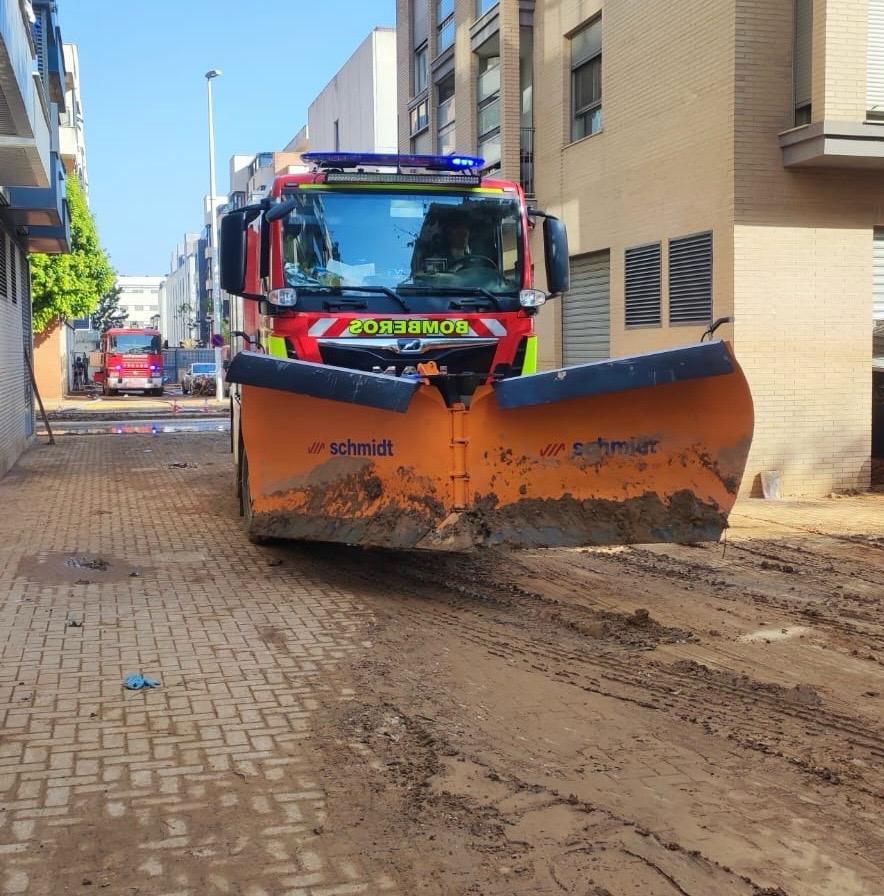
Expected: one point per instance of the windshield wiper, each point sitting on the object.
(339, 290)
(458, 291)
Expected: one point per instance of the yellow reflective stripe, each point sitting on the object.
(276, 346)
(411, 188)
(530, 365)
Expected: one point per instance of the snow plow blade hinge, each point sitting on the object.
(619, 375)
(375, 390)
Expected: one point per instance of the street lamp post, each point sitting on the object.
(216, 274)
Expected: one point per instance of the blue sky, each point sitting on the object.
(144, 97)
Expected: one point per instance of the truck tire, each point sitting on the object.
(246, 500)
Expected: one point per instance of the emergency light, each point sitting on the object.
(392, 160)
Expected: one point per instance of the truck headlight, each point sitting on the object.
(532, 298)
(285, 298)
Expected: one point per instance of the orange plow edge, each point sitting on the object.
(634, 450)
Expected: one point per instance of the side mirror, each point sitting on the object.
(555, 249)
(232, 252)
(280, 210)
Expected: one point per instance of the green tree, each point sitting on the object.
(108, 313)
(71, 285)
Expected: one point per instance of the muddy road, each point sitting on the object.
(648, 720)
(643, 721)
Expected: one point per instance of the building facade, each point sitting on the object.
(466, 77)
(140, 299)
(34, 215)
(709, 160)
(357, 108)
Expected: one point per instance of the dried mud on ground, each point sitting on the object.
(648, 720)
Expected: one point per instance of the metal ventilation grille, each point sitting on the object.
(4, 283)
(878, 274)
(690, 279)
(13, 271)
(643, 285)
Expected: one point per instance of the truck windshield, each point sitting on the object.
(134, 344)
(402, 240)
(197, 369)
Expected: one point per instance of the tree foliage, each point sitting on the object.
(109, 313)
(71, 285)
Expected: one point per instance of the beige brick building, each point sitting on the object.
(710, 159)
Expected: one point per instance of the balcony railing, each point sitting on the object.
(526, 160)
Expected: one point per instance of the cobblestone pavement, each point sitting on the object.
(202, 785)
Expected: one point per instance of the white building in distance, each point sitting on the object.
(140, 299)
(182, 292)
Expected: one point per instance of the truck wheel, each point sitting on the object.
(246, 501)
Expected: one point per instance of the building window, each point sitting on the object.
(482, 6)
(586, 80)
(421, 144)
(445, 116)
(690, 279)
(488, 101)
(337, 135)
(875, 61)
(643, 285)
(420, 117)
(445, 24)
(802, 60)
(420, 70)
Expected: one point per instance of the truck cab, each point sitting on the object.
(383, 263)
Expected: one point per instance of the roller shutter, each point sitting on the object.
(586, 310)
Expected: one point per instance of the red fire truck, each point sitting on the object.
(131, 361)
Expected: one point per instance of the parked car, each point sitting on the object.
(200, 379)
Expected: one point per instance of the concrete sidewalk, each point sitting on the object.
(113, 561)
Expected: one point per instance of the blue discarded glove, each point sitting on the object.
(137, 681)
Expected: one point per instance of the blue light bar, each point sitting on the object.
(392, 160)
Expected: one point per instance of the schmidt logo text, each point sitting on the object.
(374, 448)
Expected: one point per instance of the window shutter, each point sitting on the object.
(690, 279)
(875, 58)
(803, 51)
(878, 275)
(643, 283)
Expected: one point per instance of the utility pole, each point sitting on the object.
(216, 273)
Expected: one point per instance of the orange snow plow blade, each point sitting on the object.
(633, 450)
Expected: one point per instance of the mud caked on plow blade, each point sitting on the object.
(633, 450)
